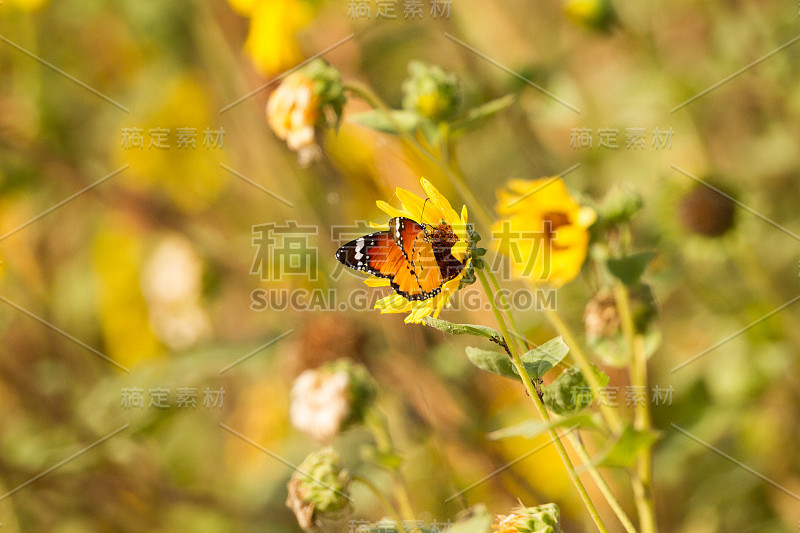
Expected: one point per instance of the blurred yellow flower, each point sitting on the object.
(117, 254)
(27, 5)
(434, 212)
(542, 230)
(178, 167)
(272, 40)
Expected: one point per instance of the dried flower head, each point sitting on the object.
(318, 487)
(306, 99)
(706, 212)
(327, 400)
(601, 317)
(539, 519)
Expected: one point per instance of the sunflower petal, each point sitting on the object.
(428, 214)
(447, 211)
(392, 211)
(394, 303)
(373, 281)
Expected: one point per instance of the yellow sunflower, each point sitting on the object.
(435, 211)
(542, 230)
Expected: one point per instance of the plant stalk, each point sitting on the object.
(540, 408)
(580, 448)
(642, 480)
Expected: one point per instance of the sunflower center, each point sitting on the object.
(552, 220)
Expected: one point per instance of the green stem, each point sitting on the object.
(580, 448)
(506, 308)
(382, 499)
(452, 174)
(642, 480)
(579, 356)
(376, 422)
(540, 408)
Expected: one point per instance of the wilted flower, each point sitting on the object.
(604, 329)
(600, 316)
(172, 288)
(431, 92)
(318, 487)
(327, 400)
(706, 212)
(539, 519)
(434, 212)
(306, 99)
(542, 230)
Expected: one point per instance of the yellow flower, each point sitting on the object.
(272, 41)
(435, 211)
(293, 111)
(542, 230)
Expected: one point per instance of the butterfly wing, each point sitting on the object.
(375, 254)
(412, 240)
(403, 254)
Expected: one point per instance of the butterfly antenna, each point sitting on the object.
(422, 216)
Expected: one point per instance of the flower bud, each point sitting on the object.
(619, 206)
(319, 487)
(328, 400)
(431, 92)
(539, 519)
(592, 14)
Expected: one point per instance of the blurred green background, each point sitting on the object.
(152, 267)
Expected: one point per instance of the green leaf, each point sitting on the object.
(623, 451)
(542, 359)
(476, 115)
(494, 362)
(390, 121)
(534, 427)
(477, 520)
(630, 269)
(462, 329)
(570, 392)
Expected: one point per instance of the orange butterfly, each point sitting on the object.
(417, 258)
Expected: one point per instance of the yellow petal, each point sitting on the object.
(391, 211)
(420, 211)
(373, 281)
(586, 217)
(382, 227)
(447, 211)
(394, 303)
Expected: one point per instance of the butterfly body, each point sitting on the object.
(416, 258)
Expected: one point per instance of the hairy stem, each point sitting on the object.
(540, 408)
(577, 443)
(642, 480)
